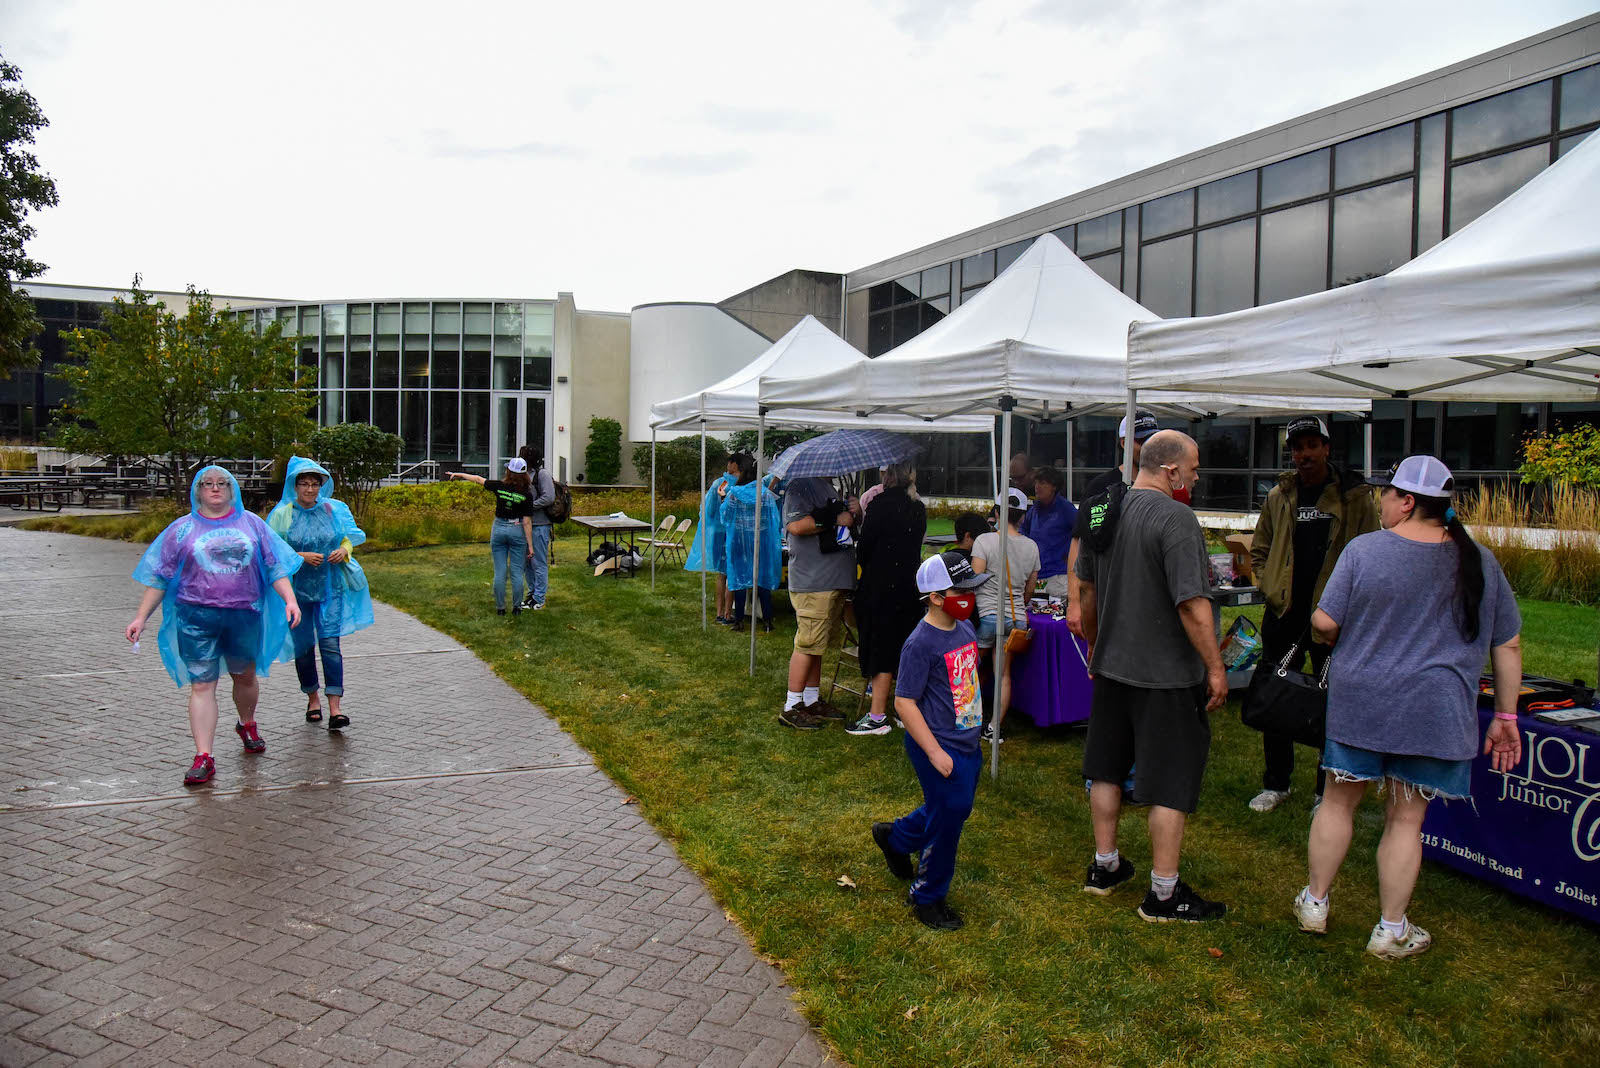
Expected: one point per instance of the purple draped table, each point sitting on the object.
(1050, 683)
(1536, 829)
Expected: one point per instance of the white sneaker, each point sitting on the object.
(1267, 800)
(1312, 916)
(1383, 944)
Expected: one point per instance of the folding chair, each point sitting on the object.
(850, 650)
(680, 540)
(661, 537)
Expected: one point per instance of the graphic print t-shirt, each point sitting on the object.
(508, 503)
(1311, 528)
(219, 562)
(939, 671)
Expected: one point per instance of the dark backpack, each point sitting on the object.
(1102, 512)
(560, 509)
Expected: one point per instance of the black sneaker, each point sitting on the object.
(823, 710)
(800, 718)
(528, 602)
(900, 865)
(938, 915)
(1104, 880)
(1184, 904)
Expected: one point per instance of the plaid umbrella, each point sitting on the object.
(843, 452)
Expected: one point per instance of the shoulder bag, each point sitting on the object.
(1282, 701)
(1019, 637)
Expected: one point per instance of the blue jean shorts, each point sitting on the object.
(207, 636)
(1429, 776)
(989, 629)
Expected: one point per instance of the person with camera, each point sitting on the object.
(822, 574)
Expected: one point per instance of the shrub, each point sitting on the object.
(602, 457)
(678, 462)
(18, 458)
(1570, 457)
(1560, 562)
(777, 439)
(358, 456)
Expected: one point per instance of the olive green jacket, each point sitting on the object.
(1345, 496)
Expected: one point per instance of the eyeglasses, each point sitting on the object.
(216, 485)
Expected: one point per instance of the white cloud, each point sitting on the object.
(638, 152)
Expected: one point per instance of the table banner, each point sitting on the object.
(1050, 683)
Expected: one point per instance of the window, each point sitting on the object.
(442, 426)
(1108, 267)
(333, 320)
(476, 318)
(1477, 187)
(1371, 232)
(1227, 197)
(1168, 214)
(1006, 255)
(1500, 120)
(416, 318)
(1225, 268)
(1166, 276)
(936, 281)
(1100, 235)
(475, 428)
(1294, 252)
(386, 411)
(414, 423)
(1294, 179)
(1379, 155)
(357, 406)
(977, 270)
(1068, 236)
(1580, 97)
(1430, 188)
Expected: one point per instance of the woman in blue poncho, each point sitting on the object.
(739, 517)
(710, 541)
(329, 585)
(221, 577)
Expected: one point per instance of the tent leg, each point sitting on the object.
(1128, 472)
(755, 556)
(1002, 515)
(994, 466)
(1072, 430)
(1366, 444)
(653, 532)
(705, 550)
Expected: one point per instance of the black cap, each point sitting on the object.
(1306, 424)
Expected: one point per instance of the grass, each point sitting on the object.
(1569, 570)
(1042, 974)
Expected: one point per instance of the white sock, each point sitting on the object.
(1314, 899)
(812, 695)
(1108, 861)
(790, 699)
(1393, 930)
(1163, 885)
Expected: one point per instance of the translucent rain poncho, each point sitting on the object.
(342, 606)
(739, 519)
(230, 562)
(710, 531)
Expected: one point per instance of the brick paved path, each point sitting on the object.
(450, 882)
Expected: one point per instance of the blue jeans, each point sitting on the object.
(308, 640)
(536, 568)
(510, 549)
(740, 598)
(934, 830)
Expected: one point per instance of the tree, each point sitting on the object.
(358, 456)
(777, 440)
(678, 463)
(23, 188)
(1566, 457)
(179, 391)
(602, 457)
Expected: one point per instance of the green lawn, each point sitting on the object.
(1042, 974)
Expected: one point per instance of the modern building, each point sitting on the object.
(1345, 193)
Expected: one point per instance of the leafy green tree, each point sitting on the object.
(358, 456)
(777, 439)
(23, 188)
(1566, 457)
(179, 391)
(678, 463)
(602, 457)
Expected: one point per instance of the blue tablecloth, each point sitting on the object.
(1050, 683)
(1536, 831)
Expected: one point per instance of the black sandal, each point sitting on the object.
(338, 721)
(314, 715)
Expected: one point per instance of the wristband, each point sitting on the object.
(1506, 715)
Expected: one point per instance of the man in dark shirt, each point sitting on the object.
(1144, 426)
(1306, 521)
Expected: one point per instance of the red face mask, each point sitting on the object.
(1181, 495)
(960, 605)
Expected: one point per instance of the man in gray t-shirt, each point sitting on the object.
(1157, 674)
(822, 572)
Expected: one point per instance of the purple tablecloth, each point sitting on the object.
(1050, 683)
(1536, 831)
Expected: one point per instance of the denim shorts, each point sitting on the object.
(989, 629)
(1430, 776)
(207, 636)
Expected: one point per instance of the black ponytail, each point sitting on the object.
(1469, 562)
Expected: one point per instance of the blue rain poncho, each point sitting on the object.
(230, 562)
(337, 593)
(738, 515)
(710, 531)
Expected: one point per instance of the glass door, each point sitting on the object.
(516, 419)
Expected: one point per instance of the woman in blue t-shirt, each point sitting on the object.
(1415, 609)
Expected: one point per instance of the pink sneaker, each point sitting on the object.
(250, 737)
(201, 771)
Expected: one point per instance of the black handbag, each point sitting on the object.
(1282, 701)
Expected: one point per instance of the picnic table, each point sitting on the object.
(44, 492)
(613, 524)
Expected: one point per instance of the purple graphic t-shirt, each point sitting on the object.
(219, 561)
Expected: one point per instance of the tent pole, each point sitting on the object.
(994, 463)
(755, 557)
(1072, 430)
(653, 532)
(1128, 473)
(705, 548)
(1366, 443)
(1002, 513)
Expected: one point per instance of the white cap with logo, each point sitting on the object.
(1013, 498)
(1425, 476)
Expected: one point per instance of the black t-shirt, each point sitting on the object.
(1311, 529)
(509, 503)
(1098, 483)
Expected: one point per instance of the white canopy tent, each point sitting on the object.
(1508, 309)
(1047, 338)
(732, 404)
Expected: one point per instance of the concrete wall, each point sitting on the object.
(677, 349)
(776, 305)
(599, 382)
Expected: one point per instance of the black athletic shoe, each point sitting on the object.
(900, 865)
(938, 915)
(1104, 880)
(1184, 904)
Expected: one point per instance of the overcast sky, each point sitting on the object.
(641, 152)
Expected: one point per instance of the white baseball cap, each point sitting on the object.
(517, 466)
(1425, 476)
(950, 570)
(1013, 498)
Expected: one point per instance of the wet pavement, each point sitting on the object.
(450, 881)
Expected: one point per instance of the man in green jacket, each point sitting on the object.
(1306, 521)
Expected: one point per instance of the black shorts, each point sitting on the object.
(1164, 736)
